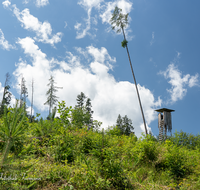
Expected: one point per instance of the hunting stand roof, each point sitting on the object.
(164, 109)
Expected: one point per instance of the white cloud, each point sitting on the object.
(87, 5)
(108, 97)
(101, 55)
(152, 39)
(125, 5)
(25, 1)
(41, 3)
(179, 83)
(108, 9)
(193, 81)
(4, 43)
(6, 3)
(43, 30)
(39, 71)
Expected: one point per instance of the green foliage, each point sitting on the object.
(77, 158)
(119, 20)
(176, 161)
(65, 113)
(80, 100)
(145, 150)
(113, 130)
(88, 144)
(80, 117)
(96, 125)
(124, 124)
(12, 129)
(65, 149)
(46, 128)
(51, 97)
(187, 140)
(124, 43)
(111, 169)
(6, 95)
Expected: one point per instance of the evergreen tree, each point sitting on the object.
(127, 125)
(6, 95)
(82, 115)
(89, 110)
(80, 100)
(24, 94)
(120, 21)
(119, 123)
(52, 98)
(32, 117)
(124, 125)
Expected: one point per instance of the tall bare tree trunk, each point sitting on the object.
(135, 84)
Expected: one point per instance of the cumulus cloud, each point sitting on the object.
(4, 43)
(108, 9)
(25, 1)
(87, 5)
(101, 56)
(6, 3)
(178, 81)
(41, 3)
(39, 71)
(106, 13)
(109, 97)
(43, 30)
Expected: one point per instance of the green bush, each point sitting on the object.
(111, 169)
(88, 145)
(145, 150)
(185, 139)
(176, 161)
(65, 149)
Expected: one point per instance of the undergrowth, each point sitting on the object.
(67, 158)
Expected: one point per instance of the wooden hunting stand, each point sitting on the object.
(164, 122)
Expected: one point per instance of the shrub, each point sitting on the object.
(65, 149)
(185, 139)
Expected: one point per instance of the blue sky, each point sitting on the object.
(73, 41)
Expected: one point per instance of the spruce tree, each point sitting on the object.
(127, 125)
(124, 124)
(89, 110)
(6, 94)
(81, 100)
(52, 98)
(82, 115)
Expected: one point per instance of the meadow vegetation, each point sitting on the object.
(56, 154)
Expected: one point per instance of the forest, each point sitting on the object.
(72, 152)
